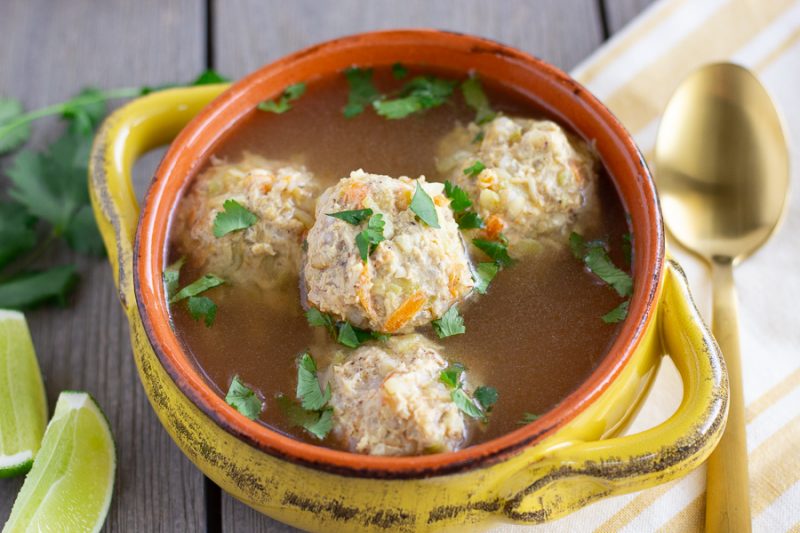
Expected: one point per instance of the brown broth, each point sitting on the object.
(535, 336)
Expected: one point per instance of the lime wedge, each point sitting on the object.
(23, 414)
(69, 487)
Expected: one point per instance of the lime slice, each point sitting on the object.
(22, 422)
(69, 487)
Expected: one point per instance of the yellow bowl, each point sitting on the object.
(569, 458)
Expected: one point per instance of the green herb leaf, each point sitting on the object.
(477, 100)
(577, 245)
(476, 168)
(347, 336)
(627, 247)
(469, 220)
(209, 77)
(309, 391)
(202, 307)
(466, 404)
(13, 133)
(235, 217)
(422, 205)
(17, 233)
(283, 104)
(419, 94)
(362, 91)
(484, 274)
(399, 71)
(459, 199)
(317, 318)
(451, 323)
(478, 137)
(527, 418)
(486, 397)
(617, 314)
(243, 399)
(600, 264)
(354, 216)
(172, 276)
(85, 112)
(497, 250)
(317, 423)
(30, 289)
(208, 281)
(322, 426)
(451, 376)
(82, 233)
(368, 240)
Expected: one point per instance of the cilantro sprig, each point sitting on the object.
(368, 240)
(477, 406)
(449, 324)
(198, 306)
(594, 255)
(234, 217)
(283, 103)
(417, 95)
(460, 204)
(244, 399)
(362, 91)
(312, 413)
(353, 216)
(422, 205)
(342, 331)
(477, 100)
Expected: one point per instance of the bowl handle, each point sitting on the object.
(141, 125)
(570, 476)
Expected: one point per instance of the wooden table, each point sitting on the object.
(50, 50)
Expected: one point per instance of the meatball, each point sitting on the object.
(268, 254)
(536, 179)
(412, 277)
(388, 400)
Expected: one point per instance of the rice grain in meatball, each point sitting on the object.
(388, 400)
(412, 277)
(267, 254)
(537, 178)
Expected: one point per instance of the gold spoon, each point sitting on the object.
(722, 165)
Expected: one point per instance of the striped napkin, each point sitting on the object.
(634, 74)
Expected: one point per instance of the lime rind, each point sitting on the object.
(71, 483)
(24, 414)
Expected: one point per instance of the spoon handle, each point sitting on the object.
(728, 487)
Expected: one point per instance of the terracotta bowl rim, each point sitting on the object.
(648, 267)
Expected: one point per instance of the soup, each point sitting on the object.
(542, 326)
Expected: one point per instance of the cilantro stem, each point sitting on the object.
(19, 267)
(57, 109)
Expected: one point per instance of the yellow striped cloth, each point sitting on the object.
(634, 74)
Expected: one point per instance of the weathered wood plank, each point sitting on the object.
(250, 33)
(49, 51)
(620, 12)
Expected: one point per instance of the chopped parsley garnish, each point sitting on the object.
(476, 99)
(202, 307)
(469, 220)
(368, 240)
(362, 91)
(283, 104)
(208, 281)
(496, 250)
(451, 376)
(459, 199)
(479, 405)
(244, 399)
(595, 256)
(309, 392)
(318, 423)
(451, 323)
(235, 217)
(198, 306)
(527, 418)
(617, 314)
(486, 396)
(354, 216)
(475, 169)
(172, 276)
(399, 71)
(342, 332)
(419, 94)
(484, 274)
(422, 205)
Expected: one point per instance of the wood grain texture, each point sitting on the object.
(620, 12)
(49, 51)
(250, 33)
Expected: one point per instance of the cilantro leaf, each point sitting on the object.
(527, 418)
(496, 250)
(353, 337)
(484, 274)
(466, 404)
(208, 281)
(475, 169)
(353, 216)
(244, 399)
(318, 423)
(397, 108)
(617, 314)
(451, 323)
(486, 397)
(17, 233)
(470, 220)
(459, 199)
(600, 264)
(368, 240)
(399, 71)
(451, 376)
(30, 289)
(86, 111)
(477, 100)
(322, 426)
(202, 307)
(362, 91)
(627, 247)
(422, 205)
(422, 92)
(208, 77)
(235, 217)
(317, 318)
(309, 391)
(577, 245)
(13, 132)
(82, 233)
(478, 137)
(283, 103)
(172, 276)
